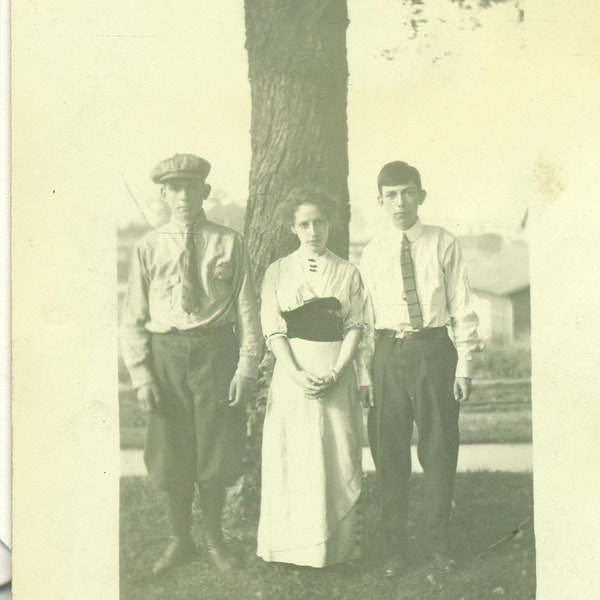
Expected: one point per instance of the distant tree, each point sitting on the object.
(220, 210)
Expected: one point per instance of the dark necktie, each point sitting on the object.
(410, 286)
(190, 291)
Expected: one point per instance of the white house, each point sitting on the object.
(498, 269)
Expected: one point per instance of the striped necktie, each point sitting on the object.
(190, 290)
(410, 286)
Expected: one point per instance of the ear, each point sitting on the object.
(207, 190)
(162, 192)
(379, 200)
(293, 229)
(423, 196)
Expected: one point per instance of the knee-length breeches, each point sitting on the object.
(194, 435)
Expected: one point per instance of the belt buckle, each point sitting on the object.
(406, 333)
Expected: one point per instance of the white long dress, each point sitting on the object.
(312, 448)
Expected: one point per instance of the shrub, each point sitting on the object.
(503, 362)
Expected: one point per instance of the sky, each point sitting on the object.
(450, 101)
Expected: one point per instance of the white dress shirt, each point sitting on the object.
(441, 281)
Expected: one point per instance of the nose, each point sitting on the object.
(183, 194)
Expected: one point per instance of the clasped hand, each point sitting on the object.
(314, 387)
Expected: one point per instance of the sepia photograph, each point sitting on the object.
(324, 379)
(292, 290)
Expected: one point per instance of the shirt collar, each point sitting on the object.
(178, 226)
(413, 234)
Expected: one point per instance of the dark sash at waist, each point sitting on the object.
(318, 320)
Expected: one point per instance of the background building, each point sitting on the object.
(498, 269)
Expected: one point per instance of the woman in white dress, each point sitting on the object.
(317, 322)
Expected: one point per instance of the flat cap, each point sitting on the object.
(180, 166)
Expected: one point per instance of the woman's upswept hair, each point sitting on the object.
(300, 196)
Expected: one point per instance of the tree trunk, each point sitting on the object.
(298, 76)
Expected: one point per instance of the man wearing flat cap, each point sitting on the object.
(190, 340)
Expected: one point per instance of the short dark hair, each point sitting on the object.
(396, 173)
(300, 196)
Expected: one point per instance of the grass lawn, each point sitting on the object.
(497, 414)
(488, 508)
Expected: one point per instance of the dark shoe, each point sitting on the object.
(394, 565)
(443, 562)
(219, 553)
(177, 552)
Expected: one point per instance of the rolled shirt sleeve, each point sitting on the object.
(360, 316)
(247, 320)
(463, 318)
(273, 323)
(135, 338)
(367, 275)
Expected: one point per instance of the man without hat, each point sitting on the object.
(419, 289)
(190, 340)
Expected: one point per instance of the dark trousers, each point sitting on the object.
(414, 380)
(194, 436)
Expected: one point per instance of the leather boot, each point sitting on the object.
(212, 501)
(180, 548)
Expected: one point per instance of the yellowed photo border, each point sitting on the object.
(66, 183)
